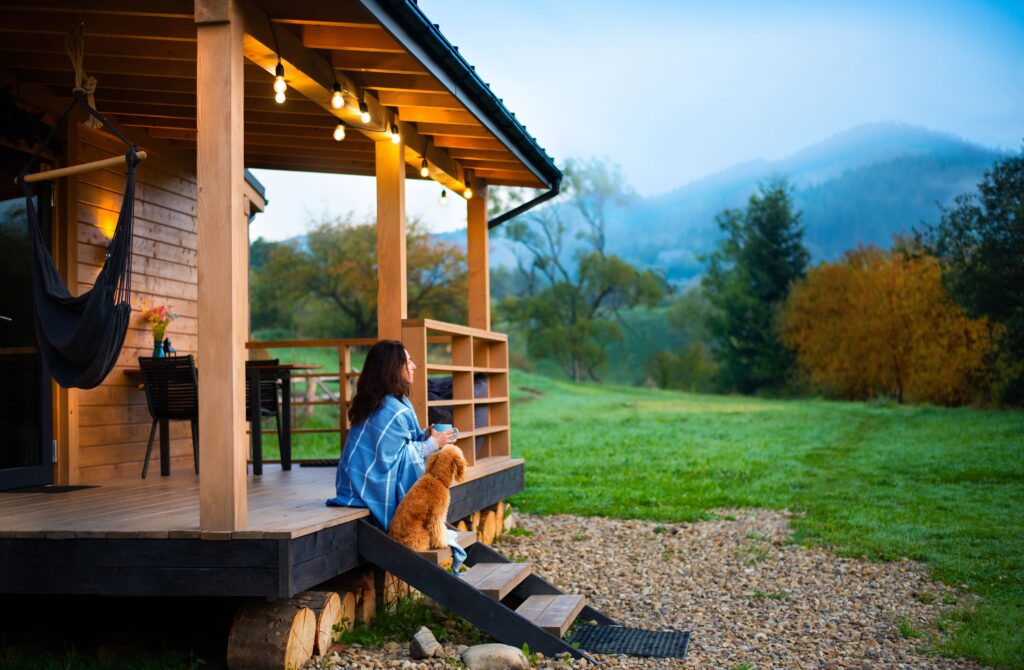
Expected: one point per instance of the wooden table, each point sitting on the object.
(281, 371)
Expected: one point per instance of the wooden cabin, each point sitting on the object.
(192, 84)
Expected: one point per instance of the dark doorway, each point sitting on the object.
(26, 420)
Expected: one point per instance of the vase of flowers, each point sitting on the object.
(157, 316)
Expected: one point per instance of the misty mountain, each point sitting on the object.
(858, 187)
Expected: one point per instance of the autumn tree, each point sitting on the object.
(880, 323)
(328, 279)
(748, 277)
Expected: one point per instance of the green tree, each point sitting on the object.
(571, 290)
(690, 366)
(980, 245)
(747, 280)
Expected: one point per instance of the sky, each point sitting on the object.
(673, 91)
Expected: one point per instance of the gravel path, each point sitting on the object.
(751, 600)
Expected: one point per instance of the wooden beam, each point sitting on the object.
(482, 154)
(409, 99)
(477, 256)
(97, 65)
(468, 143)
(407, 83)
(372, 61)
(431, 115)
(223, 273)
(320, 12)
(392, 284)
(25, 20)
(106, 46)
(350, 38)
(455, 130)
(167, 8)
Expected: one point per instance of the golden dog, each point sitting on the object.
(419, 521)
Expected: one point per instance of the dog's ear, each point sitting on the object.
(460, 466)
(440, 466)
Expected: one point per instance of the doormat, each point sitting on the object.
(319, 463)
(631, 641)
(48, 488)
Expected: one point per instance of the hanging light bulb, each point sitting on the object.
(364, 112)
(444, 198)
(339, 132)
(395, 137)
(424, 169)
(468, 193)
(337, 100)
(279, 84)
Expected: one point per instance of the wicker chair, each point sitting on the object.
(172, 394)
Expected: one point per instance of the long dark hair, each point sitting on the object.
(381, 377)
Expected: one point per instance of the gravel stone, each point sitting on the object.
(747, 595)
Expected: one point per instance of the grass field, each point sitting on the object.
(944, 486)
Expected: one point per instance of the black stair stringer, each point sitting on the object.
(487, 614)
(534, 585)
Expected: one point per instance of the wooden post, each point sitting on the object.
(477, 256)
(392, 289)
(223, 274)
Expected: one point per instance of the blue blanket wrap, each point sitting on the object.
(382, 459)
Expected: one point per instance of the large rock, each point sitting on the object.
(424, 644)
(494, 657)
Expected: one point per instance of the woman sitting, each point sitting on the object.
(386, 450)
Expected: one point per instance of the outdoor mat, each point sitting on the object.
(48, 488)
(631, 641)
(319, 463)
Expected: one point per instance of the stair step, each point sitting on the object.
(552, 613)
(439, 556)
(496, 579)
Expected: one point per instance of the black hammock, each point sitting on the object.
(80, 337)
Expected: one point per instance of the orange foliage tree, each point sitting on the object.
(880, 323)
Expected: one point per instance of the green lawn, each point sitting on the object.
(944, 486)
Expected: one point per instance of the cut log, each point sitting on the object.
(348, 611)
(326, 606)
(360, 585)
(475, 520)
(488, 527)
(462, 526)
(275, 635)
(499, 510)
(394, 589)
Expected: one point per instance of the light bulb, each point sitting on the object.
(337, 100)
(424, 169)
(339, 132)
(395, 137)
(364, 112)
(279, 96)
(279, 84)
(444, 198)
(468, 193)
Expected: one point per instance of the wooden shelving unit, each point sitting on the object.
(462, 353)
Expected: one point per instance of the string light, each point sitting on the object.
(339, 132)
(364, 112)
(444, 198)
(279, 84)
(468, 193)
(337, 100)
(424, 169)
(393, 131)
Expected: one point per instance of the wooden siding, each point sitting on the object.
(113, 419)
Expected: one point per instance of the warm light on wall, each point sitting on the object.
(107, 223)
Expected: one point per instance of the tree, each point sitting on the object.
(747, 280)
(980, 245)
(572, 291)
(881, 323)
(690, 366)
(327, 281)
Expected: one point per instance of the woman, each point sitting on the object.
(386, 450)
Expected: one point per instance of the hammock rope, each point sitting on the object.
(80, 337)
(75, 44)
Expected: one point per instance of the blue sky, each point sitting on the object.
(674, 91)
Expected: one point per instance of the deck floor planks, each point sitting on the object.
(282, 505)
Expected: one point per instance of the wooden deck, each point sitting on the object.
(142, 537)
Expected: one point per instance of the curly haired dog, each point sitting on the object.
(419, 521)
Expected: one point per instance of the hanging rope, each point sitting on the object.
(83, 83)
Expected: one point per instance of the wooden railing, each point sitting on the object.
(439, 349)
(464, 353)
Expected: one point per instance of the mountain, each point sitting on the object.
(858, 187)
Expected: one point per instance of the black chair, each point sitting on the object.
(172, 394)
(267, 382)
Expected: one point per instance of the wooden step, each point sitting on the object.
(496, 579)
(552, 613)
(439, 556)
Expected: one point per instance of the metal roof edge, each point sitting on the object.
(403, 18)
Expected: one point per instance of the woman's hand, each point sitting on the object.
(442, 439)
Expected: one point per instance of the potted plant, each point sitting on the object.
(157, 316)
